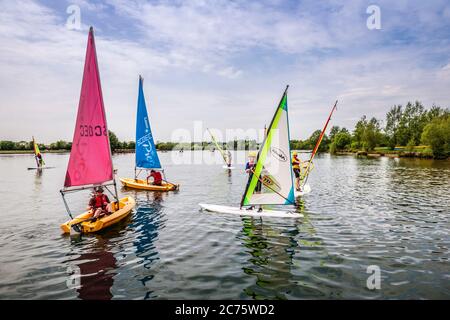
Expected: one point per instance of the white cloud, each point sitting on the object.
(222, 62)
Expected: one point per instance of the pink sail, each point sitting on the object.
(90, 158)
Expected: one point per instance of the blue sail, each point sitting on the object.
(146, 156)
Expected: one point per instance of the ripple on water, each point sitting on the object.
(361, 212)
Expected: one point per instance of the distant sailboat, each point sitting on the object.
(40, 163)
(146, 155)
(90, 163)
(270, 182)
(225, 155)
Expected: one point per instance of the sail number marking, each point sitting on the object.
(91, 131)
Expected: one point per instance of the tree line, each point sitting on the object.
(60, 145)
(407, 127)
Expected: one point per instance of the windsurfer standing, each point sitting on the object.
(296, 163)
(228, 158)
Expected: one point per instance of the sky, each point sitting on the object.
(222, 62)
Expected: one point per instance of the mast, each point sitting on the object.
(318, 143)
(218, 147)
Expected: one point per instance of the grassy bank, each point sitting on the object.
(31, 151)
(421, 152)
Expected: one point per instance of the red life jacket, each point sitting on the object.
(157, 177)
(101, 201)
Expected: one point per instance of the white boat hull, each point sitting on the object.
(252, 212)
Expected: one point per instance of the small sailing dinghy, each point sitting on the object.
(307, 166)
(40, 163)
(225, 155)
(146, 155)
(270, 182)
(90, 163)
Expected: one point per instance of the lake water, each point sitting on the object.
(389, 213)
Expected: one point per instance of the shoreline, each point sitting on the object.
(393, 154)
(373, 154)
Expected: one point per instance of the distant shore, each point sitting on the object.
(374, 154)
(359, 153)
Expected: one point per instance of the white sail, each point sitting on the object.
(271, 181)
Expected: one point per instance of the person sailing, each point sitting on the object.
(228, 156)
(39, 160)
(296, 163)
(250, 167)
(99, 203)
(157, 178)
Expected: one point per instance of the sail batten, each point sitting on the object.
(146, 155)
(90, 161)
(271, 181)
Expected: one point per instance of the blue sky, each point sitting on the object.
(225, 63)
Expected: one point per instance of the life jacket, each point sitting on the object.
(101, 201)
(157, 177)
(295, 163)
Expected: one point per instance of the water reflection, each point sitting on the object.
(38, 180)
(146, 224)
(271, 249)
(93, 272)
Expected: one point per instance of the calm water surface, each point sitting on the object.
(392, 213)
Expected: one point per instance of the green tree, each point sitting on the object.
(7, 145)
(358, 133)
(411, 144)
(62, 145)
(435, 112)
(113, 141)
(367, 134)
(393, 118)
(437, 135)
(333, 147)
(372, 134)
(334, 130)
(312, 141)
(342, 140)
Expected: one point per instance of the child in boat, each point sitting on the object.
(157, 178)
(99, 203)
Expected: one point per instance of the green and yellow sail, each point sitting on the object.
(271, 181)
